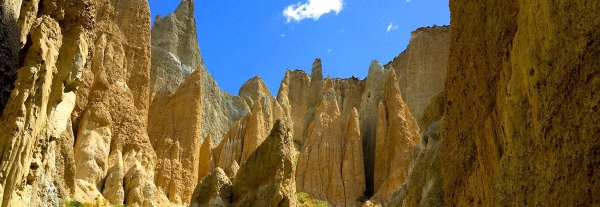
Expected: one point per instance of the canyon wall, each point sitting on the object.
(521, 104)
(99, 108)
(421, 67)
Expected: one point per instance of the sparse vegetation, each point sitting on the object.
(73, 204)
(305, 200)
(98, 203)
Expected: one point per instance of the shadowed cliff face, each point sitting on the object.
(521, 112)
(9, 44)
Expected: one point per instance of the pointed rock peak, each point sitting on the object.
(317, 70)
(354, 113)
(375, 67)
(253, 90)
(274, 159)
(231, 171)
(391, 87)
(328, 83)
(256, 83)
(391, 78)
(185, 8)
(208, 141)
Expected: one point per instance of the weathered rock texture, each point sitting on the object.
(205, 159)
(174, 130)
(38, 110)
(397, 134)
(274, 159)
(9, 48)
(248, 133)
(421, 68)
(424, 185)
(112, 151)
(175, 50)
(371, 97)
(220, 109)
(293, 94)
(330, 164)
(522, 109)
(213, 190)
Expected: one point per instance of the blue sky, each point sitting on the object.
(242, 39)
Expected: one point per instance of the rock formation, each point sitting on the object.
(9, 48)
(371, 97)
(174, 125)
(41, 99)
(397, 134)
(525, 78)
(274, 159)
(205, 159)
(231, 171)
(213, 190)
(332, 153)
(98, 108)
(248, 133)
(424, 183)
(421, 67)
(293, 94)
(175, 50)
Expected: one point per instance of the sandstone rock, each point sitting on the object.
(249, 132)
(274, 159)
(231, 171)
(175, 50)
(526, 77)
(213, 190)
(330, 165)
(371, 96)
(220, 109)
(256, 128)
(434, 110)
(206, 159)
(315, 94)
(353, 174)
(9, 48)
(421, 68)
(231, 148)
(255, 90)
(397, 133)
(293, 94)
(39, 106)
(174, 123)
(117, 88)
(424, 184)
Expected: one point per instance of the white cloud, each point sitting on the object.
(391, 27)
(312, 9)
(328, 51)
(282, 35)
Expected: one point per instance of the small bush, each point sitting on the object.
(74, 204)
(306, 201)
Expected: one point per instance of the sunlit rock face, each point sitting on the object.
(521, 109)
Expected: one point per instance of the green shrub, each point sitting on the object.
(74, 204)
(305, 200)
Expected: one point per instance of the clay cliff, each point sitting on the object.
(99, 108)
(521, 105)
(421, 68)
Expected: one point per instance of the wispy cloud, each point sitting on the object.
(312, 9)
(328, 51)
(282, 35)
(391, 27)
